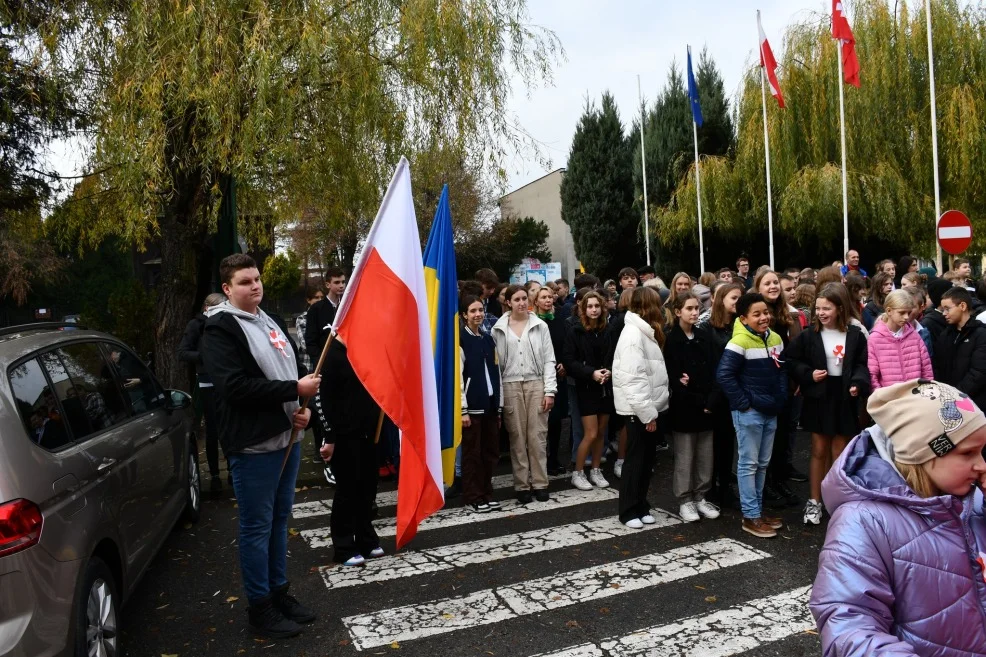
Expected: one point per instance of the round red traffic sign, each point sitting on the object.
(954, 232)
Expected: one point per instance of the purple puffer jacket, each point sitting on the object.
(892, 360)
(898, 576)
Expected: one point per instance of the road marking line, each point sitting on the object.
(449, 557)
(456, 516)
(490, 606)
(722, 633)
(387, 498)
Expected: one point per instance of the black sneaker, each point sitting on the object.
(288, 605)
(542, 495)
(480, 507)
(797, 475)
(525, 496)
(267, 620)
(662, 446)
(330, 478)
(455, 489)
(790, 497)
(494, 505)
(771, 496)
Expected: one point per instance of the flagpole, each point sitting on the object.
(643, 169)
(934, 135)
(842, 124)
(698, 191)
(766, 148)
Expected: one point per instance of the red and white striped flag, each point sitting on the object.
(770, 65)
(843, 32)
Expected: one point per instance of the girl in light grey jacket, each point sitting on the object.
(527, 370)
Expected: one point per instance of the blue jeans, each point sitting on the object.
(265, 505)
(755, 441)
(576, 417)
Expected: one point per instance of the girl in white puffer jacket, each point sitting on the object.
(640, 393)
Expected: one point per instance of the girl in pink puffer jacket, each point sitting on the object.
(895, 351)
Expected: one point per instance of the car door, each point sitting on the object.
(158, 434)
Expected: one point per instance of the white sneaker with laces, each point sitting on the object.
(618, 469)
(579, 480)
(634, 524)
(648, 520)
(813, 512)
(597, 478)
(707, 509)
(688, 512)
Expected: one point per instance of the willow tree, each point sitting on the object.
(306, 104)
(888, 132)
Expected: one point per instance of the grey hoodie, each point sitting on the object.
(270, 348)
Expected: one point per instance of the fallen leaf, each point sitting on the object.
(614, 585)
(572, 624)
(556, 597)
(710, 598)
(292, 531)
(344, 642)
(232, 598)
(395, 645)
(604, 610)
(700, 588)
(164, 655)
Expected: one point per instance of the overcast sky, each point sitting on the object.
(609, 43)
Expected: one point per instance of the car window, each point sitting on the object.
(92, 388)
(138, 383)
(38, 407)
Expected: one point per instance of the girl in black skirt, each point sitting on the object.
(588, 359)
(828, 361)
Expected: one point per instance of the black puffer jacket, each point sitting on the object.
(960, 359)
(697, 359)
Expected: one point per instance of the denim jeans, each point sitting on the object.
(265, 503)
(755, 441)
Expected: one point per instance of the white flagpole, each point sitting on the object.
(766, 147)
(842, 124)
(934, 135)
(698, 191)
(643, 169)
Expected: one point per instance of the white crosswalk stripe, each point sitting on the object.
(722, 633)
(387, 498)
(489, 606)
(448, 557)
(457, 516)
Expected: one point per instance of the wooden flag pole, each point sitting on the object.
(296, 435)
(376, 436)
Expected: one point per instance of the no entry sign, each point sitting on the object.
(954, 232)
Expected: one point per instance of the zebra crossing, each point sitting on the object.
(507, 582)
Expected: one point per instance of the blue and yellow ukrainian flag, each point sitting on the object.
(443, 309)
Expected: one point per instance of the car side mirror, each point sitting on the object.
(178, 400)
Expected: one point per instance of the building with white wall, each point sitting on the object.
(541, 199)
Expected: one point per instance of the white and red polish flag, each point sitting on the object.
(843, 32)
(770, 65)
(383, 321)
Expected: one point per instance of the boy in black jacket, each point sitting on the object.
(960, 352)
(258, 379)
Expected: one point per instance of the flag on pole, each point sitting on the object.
(842, 32)
(693, 92)
(383, 320)
(770, 65)
(443, 313)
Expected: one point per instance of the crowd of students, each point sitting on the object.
(726, 367)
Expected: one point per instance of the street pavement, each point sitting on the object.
(562, 578)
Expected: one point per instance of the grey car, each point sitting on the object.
(97, 464)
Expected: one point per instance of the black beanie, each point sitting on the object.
(937, 288)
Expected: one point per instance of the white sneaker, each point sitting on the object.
(813, 512)
(648, 520)
(688, 512)
(634, 524)
(618, 469)
(707, 509)
(597, 478)
(579, 480)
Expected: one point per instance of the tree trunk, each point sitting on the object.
(176, 298)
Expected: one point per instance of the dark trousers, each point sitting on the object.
(780, 459)
(354, 464)
(723, 448)
(637, 469)
(480, 453)
(555, 416)
(211, 429)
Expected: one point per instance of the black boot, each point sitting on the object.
(290, 607)
(268, 621)
(455, 489)
(790, 497)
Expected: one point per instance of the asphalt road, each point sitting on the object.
(561, 578)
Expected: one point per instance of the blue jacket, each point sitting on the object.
(752, 373)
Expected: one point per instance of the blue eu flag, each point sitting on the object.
(693, 92)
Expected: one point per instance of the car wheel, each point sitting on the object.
(193, 486)
(97, 615)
